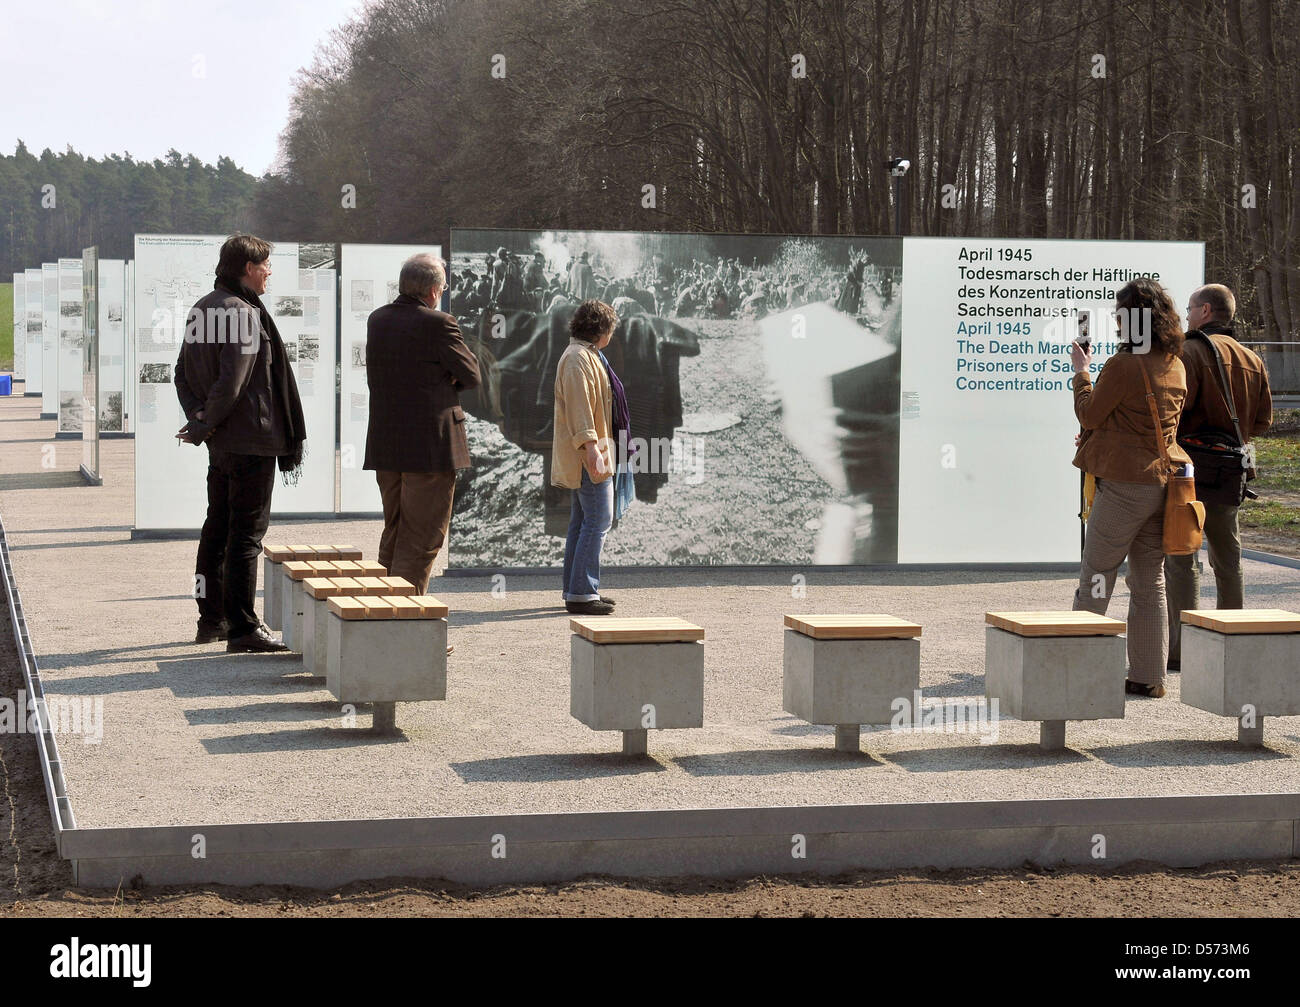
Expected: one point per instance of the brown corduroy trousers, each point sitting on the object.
(417, 513)
(1128, 520)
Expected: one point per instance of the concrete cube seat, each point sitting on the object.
(848, 670)
(293, 599)
(1055, 666)
(386, 649)
(315, 610)
(273, 558)
(632, 675)
(1243, 664)
(272, 581)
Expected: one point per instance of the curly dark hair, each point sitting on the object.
(591, 320)
(1146, 294)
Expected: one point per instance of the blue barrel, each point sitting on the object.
(6, 384)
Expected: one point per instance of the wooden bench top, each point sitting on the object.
(336, 551)
(853, 627)
(333, 587)
(417, 606)
(1055, 623)
(280, 553)
(603, 629)
(301, 569)
(1243, 621)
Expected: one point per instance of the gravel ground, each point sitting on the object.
(191, 734)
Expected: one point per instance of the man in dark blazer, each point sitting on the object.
(416, 365)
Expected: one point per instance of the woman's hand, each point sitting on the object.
(596, 464)
(1080, 357)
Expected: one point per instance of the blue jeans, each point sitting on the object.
(589, 519)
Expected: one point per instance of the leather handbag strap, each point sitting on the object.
(1155, 419)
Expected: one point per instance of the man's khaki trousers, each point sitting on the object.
(417, 512)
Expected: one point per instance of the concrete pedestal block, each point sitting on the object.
(315, 613)
(271, 592)
(848, 737)
(1055, 678)
(1242, 674)
(1251, 737)
(384, 720)
(848, 682)
(292, 601)
(1051, 735)
(315, 623)
(386, 660)
(636, 742)
(634, 686)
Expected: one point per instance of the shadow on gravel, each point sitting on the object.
(264, 713)
(973, 757)
(505, 615)
(40, 481)
(770, 761)
(1167, 752)
(214, 674)
(314, 739)
(548, 768)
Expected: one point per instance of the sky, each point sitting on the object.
(208, 77)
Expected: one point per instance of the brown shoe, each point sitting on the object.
(1142, 689)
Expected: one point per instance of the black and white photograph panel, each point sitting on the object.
(762, 383)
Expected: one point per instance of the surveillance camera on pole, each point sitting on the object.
(898, 166)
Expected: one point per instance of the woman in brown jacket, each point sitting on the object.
(1118, 446)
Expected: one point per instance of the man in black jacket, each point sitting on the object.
(416, 365)
(239, 394)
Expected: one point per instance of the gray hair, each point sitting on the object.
(420, 273)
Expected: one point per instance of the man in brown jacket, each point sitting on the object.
(1210, 310)
(416, 365)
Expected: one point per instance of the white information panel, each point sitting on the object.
(50, 340)
(368, 278)
(112, 345)
(172, 273)
(130, 374)
(20, 326)
(71, 346)
(987, 414)
(34, 300)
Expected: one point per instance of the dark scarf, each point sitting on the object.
(286, 386)
(621, 420)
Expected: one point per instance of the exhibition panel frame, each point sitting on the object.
(800, 409)
(71, 354)
(20, 326)
(34, 300)
(50, 341)
(90, 392)
(368, 276)
(172, 272)
(111, 329)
